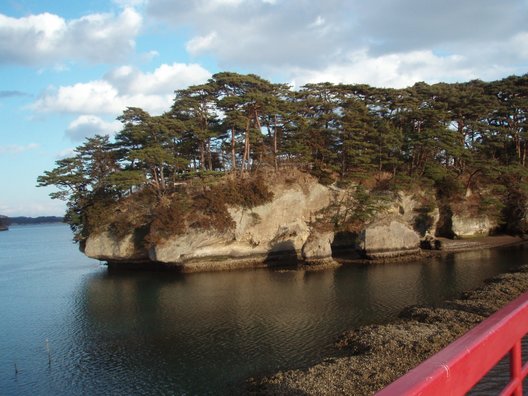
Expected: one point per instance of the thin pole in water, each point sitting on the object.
(49, 354)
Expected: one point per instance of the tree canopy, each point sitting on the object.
(456, 137)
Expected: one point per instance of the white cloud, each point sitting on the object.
(123, 87)
(214, 4)
(394, 70)
(163, 80)
(90, 125)
(318, 22)
(92, 97)
(201, 43)
(389, 42)
(48, 39)
(130, 3)
(17, 148)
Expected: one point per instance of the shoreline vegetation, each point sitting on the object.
(6, 222)
(370, 357)
(196, 172)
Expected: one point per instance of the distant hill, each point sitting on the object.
(3, 223)
(34, 220)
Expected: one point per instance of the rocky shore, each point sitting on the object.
(374, 356)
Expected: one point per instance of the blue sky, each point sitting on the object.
(68, 68)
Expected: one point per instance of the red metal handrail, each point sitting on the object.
(458, 367)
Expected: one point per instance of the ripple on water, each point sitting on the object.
(159, 333)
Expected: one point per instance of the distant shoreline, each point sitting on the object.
(24, 220)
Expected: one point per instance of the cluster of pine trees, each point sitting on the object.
(457, 137)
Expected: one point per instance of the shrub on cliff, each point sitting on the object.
(205, 207)
(248, 192)
(169, 219)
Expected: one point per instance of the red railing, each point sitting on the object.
(457, 368)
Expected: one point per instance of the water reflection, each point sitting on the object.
(205, 332)
(163, 333)
(214, 326)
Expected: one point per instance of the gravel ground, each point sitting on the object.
(378, 354)
(456, 245)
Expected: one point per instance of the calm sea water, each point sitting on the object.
(70, 327)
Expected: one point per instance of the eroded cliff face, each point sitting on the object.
(389, 239)
(472, 226)
(277, 229)
(283, 228)
(106, 247)
(293, 225)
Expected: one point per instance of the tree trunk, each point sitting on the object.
(233, 153)
(202, 155)
(155, 177)
(245, 157)
(470, 179)
(162, 178)
(275, 162)
(209, 157)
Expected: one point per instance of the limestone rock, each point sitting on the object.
(464, 226)
(408, 208)
(429, 242)
(104, 246)
(381, 240)
(275, 230)
(318, 246)
(279, 230)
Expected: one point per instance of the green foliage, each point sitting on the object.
(133, 212)
(514, 212)
(448, 186)
(453, 137)
(357, 207)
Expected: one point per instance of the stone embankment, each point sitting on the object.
(376, 355)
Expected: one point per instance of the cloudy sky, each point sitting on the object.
(69, 68)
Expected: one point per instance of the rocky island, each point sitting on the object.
(241, 172)
(294, 226)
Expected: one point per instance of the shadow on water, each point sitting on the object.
(282, 254)
(194, 333)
